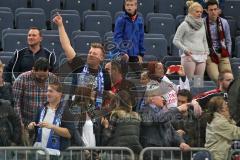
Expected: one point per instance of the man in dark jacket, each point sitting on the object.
(156, 128)
(24, 59)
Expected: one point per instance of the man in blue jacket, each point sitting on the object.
(129, 33)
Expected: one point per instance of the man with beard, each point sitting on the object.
(90, 74)
(130, 27)
(24, 59)
(29, 90)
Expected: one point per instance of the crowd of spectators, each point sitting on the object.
(104, 107)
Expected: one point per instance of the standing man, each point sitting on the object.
(130, 27)
(30, 88)
(89, 74)
(219, 41)
(24, 59)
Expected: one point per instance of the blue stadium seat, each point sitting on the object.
(112, 6)
(162, 15)
(99, 23)
(171, 58)
(231, 8)
(47, 5)
(79, 5)
(5, 59)
(29, 17)
(174, 7)
(14, 4)
(148, 58)
(6, 21)
(51, 42)
(145, 7)
(179, 20)
(161, 25)
(6, 53)
(6, 9)
(81, 40)
(71, 20)
(13, 39)
(156, 47)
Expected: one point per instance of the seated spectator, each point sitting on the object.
(24, 59)
(54, 123)
(169, 89)
(221, 129)
(156, 128)
(5, 87)
(123, 128)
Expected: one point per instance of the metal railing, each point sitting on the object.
(26, 153)
(103, 153)
(170, 153)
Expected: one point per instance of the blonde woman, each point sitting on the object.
(191, 40)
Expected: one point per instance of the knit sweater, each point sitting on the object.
(188, 39)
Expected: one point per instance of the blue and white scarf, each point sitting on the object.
(54, 139)
(100, 84)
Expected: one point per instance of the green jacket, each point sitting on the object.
(219, 135)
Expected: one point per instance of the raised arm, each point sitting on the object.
(65, 42)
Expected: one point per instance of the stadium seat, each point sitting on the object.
(47, 5)
(71, 20)
(13, 39)
(5, 59)
(29, 17)
(179, 19)
(99, 23)
(231, 8)
(79, 5)
(14, 4)
(89, 12)
(145, 7)
(161, 25)
(112, 6)
(5, 9)
(6, 53)
(6, 21)
(162, 15)
(171, 6)
(171, 58)
(148, 58)
(82, 40)
(156, 47)
(51, 42)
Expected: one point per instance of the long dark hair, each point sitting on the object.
(214, 105)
